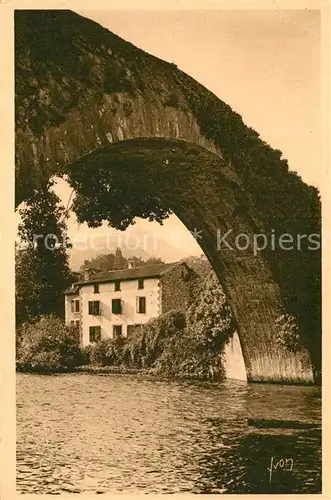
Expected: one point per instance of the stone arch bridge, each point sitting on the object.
(89, 104)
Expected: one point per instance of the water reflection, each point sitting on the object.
(243, 464)
(96, 433)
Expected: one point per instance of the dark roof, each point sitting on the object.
(152, 271)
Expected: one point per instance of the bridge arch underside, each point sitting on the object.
(144, 176)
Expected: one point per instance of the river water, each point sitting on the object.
(135, 434)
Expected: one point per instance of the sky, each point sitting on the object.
(265, 64)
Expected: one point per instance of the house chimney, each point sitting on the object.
(88, 273)
(130, 264)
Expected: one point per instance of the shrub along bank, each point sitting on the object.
(47, 345)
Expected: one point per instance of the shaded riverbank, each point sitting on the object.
(85, 369)
(150, 372)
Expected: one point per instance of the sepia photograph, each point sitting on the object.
(168, 250)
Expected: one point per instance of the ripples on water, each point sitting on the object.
(113, 433)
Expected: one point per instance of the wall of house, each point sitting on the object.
(69, 314)
(128, 294)
(175, 288)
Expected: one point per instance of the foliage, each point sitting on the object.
(186, 356)
(42, 269)
(151, 261)
(106, 352)
(106, 262)
(288, 333)
(209, 318)
(196, 350)
(147, 343)
(101, 198)
(119, 261)
(102, 262)
(142, 349)
(47, 344)
(201, 266)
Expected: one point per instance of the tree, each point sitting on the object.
(42, 268)
(106, 262)
(120, 262)
(152, 261)
(102, 262)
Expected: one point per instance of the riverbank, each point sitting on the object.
(111, 370)
(172, 346)
(85, 369)
(123, 370)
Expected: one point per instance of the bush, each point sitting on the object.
(209, 318)
(106, 352)
(47, 344)
(148, 343)
(184, 356)
(197, 352)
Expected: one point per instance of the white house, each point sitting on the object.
(114, 303)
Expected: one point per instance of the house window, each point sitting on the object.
(75, 306)
(96, 288)
(72, 323)
(132, 329)
(117, 331)
(95, 333)
(116, 306)
(77, 323)
(140, 283)
(141, 305)
(117, 286)
(94, 307)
